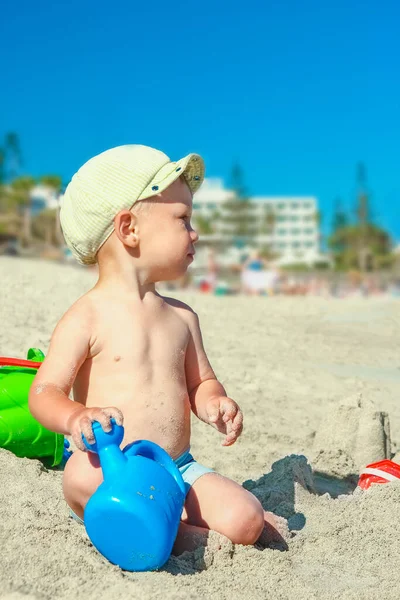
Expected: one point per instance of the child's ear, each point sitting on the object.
(126, 228)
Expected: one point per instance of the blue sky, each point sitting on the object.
(296, 91)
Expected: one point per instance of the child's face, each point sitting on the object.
(166, 236)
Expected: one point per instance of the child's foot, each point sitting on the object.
(275, 532)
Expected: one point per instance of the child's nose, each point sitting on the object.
(194, 235)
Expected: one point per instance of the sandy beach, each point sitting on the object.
(318, 381)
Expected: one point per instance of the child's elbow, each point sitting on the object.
(32, 399)
(35, 398)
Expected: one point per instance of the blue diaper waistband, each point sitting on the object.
(183, 459)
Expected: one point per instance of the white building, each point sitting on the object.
(288, 226)
(294, 234)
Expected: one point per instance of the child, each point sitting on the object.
(132, 354)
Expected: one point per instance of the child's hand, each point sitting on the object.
(81, 422)
(225, 415)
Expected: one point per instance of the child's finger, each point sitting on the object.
(229, 410)
(111, 413)
(102, 417)
(237, 424)
(230, 438)
(86, 428)
(77, 438)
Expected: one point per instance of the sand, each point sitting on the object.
(318, 381)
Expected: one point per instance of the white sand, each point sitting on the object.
(313, 377)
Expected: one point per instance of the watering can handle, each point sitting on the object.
(150, 450)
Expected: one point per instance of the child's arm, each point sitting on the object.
(208, 398)
(49, 400)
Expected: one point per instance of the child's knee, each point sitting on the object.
(251, 526)
(80, 481)
(246, 526)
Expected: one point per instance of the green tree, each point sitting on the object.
(364, 247)
(11, 156)
(10, 162)
(2, 165)
(339, 221)
(20, 200)
(340, 218)
(52, 181)
(238, 212)
(363, 212)
(361, 245)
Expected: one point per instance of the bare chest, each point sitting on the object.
(129, 342)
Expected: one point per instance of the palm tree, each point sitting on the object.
(12, 155)
(364, 247)
(10, 162)
(20, 199)
(3, 194)
(239, 210)
(2, 164)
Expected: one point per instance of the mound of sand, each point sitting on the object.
(315, 385)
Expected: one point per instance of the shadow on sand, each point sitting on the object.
(277, 492)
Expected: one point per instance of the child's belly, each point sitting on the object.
(155, 405)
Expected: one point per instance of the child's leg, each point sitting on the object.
(82, 477)
(215, 502)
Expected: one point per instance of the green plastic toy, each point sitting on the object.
(20, 433)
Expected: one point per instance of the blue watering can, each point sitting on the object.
(133, 517)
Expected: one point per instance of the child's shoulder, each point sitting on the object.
(74, 330)
(185, 311)
(175, 303)
(79, 313)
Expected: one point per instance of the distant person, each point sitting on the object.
(251, 278)
(257, 278)
(209, 282)
(129, 210)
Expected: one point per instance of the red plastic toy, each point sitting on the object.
(384, 471)
(18, 362)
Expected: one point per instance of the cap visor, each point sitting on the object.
(191, 167)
